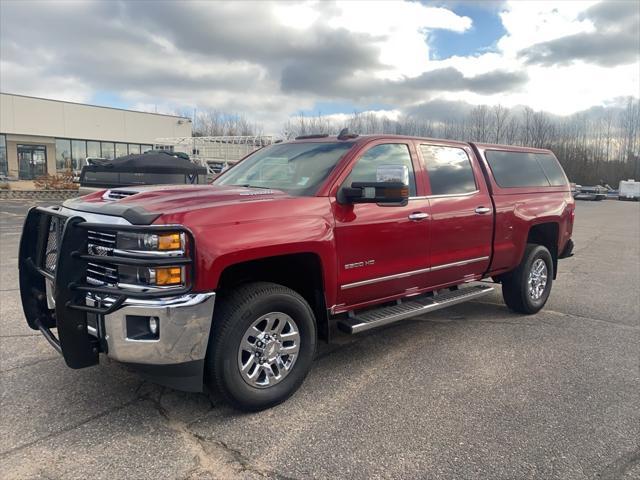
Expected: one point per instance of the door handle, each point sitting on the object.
(415, 216)
(483, 210)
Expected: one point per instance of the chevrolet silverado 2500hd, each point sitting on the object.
(232, 284)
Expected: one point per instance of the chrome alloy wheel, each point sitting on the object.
(537, 280)
(269, 349)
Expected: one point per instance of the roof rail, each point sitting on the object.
(314, 135)
(345, 135)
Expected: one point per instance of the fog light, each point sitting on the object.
(153, 325)
(142, 328)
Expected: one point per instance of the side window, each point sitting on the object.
(449, 170)
(552, 169)
(385, 154)
(524, 169)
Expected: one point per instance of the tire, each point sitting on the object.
(516, 290)
(233, 327)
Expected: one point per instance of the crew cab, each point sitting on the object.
(232, 285)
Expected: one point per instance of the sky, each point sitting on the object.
(269, 61)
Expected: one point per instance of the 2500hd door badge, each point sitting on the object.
(365, 263)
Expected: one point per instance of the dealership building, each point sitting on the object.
(40, 136)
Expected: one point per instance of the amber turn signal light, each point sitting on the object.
(169, 241)
(169, 276)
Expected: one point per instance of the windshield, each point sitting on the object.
(296, 168)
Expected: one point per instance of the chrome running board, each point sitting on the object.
(366, 320)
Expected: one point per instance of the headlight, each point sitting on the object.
(148, 245)
(151, 276)
(150, 242)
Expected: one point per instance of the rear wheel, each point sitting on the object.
(262, 345)
(527, 288)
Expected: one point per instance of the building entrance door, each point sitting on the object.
(32, 161)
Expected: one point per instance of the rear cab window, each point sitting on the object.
(449, 170)
(525, 169)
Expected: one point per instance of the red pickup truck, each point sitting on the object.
(300, 241)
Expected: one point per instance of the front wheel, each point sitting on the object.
(527, 288)
(262, 345)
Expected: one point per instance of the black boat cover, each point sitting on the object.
(153, 161)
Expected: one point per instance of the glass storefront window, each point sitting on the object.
(134, 149)
(78, 154)
(93, 149)
(121, 149)
(63, 154)
(108, 150)
(72, 154)
(32, 161)
(4, 169)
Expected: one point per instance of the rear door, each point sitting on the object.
(383, 251)
(461, 214)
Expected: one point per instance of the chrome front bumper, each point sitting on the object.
(183, 333)
(184, 325)
(177, 357)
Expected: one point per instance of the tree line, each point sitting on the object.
(593, 148)
(216, 123)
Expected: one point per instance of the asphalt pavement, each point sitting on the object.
(473, 391)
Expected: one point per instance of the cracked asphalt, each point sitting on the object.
(469, 392)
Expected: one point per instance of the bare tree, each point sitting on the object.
(500, 116)
(479, 118)
(213, 123)
(511, 131)
(527, 126)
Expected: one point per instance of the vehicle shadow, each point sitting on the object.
(348, 352)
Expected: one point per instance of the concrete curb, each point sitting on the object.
(38, 194)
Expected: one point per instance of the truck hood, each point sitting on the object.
(142, 205)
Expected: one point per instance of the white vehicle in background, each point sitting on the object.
(629, 190)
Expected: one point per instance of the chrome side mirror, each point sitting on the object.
(393, 174)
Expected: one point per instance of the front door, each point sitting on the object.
(32, 161)
(383, 251)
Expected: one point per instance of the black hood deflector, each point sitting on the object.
(134, 214)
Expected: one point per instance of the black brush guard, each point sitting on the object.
(77, 346)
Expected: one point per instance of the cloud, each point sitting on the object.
(613, 41)
(268, 60)
(613, 13)
(251, 57)
(449, 79)
(600, 48)
(440, 110)
(406, 90)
